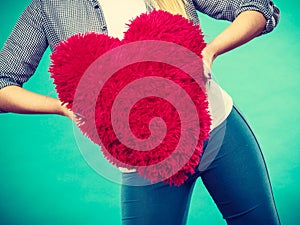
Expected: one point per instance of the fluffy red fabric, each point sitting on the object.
(73, 57)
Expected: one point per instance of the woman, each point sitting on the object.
(232, 166)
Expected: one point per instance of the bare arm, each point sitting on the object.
(244, 28)
(18, 100)
(19, 59)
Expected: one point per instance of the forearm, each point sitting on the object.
(18, 100)
(245, 27)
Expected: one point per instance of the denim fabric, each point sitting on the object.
(232, 169)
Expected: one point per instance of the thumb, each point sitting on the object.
(207, 70)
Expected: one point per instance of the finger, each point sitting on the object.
(207, 70)
(78, 119)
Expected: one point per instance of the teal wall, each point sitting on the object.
(45, 180)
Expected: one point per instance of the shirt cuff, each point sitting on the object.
(267, 8)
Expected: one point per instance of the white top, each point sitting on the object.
(118, 13)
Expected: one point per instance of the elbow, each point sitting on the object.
(267, 9)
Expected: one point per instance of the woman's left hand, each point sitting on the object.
(208, 58)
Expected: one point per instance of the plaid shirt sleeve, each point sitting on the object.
(230, 9)
(31, 36)
(23, 49)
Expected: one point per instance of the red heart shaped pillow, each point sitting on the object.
(142, 98)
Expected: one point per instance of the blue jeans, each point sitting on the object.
(232, 169)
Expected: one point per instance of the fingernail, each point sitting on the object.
(209, 74)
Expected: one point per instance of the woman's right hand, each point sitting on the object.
(76, 118)
(18, 100)
(66, 112)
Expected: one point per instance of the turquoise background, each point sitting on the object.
(45, 179)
